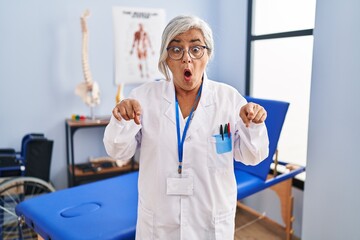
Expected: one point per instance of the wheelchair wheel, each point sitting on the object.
(12, 192)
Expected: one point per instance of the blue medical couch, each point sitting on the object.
(107, 209)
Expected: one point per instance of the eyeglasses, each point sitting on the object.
(195, 52)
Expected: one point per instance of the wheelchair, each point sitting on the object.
(23, 175)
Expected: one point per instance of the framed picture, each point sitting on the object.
(137, 43)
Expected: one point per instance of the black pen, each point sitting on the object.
(221, 132)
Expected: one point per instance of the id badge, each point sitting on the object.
(180, 186)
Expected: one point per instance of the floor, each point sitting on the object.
(251, 227)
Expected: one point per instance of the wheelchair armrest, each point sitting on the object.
(9, 151)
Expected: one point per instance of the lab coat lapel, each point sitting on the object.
(169, 101)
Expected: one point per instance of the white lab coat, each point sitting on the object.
(209, 212)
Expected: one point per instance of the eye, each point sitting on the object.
(176, 50)
(196, 49)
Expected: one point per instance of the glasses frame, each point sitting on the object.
(188, 51)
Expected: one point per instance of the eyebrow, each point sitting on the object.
(195, 40)
(174, 40)
(192, 40)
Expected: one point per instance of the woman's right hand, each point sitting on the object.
(128, 109)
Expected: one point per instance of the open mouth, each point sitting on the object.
(187, 74)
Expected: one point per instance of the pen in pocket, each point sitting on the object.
(228, 130)
(221, 132)
(225, 131)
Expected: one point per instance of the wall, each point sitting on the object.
(332, 194)
(230, 40)
(40, 66)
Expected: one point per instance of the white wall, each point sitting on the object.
(332, 192)
(230, 40)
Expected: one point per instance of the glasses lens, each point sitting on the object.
(175, 52)
(196, 52)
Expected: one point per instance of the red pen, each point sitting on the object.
(228, 126)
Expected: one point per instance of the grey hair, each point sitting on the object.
(176, 26)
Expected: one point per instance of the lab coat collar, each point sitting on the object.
(202, 111)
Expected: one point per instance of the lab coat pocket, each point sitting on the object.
(145, 225)
(220, 151)
(224, 224)
(223, 143)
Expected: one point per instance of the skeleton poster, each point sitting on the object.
(137, 43)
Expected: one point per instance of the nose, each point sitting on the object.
(186, 57)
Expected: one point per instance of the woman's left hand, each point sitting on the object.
(252, 112)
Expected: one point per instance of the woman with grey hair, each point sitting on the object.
(188, 130)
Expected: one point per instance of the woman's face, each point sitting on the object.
(188, 72)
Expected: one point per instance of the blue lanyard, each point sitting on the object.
(181, 141)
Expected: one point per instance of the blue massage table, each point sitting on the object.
(107, 209)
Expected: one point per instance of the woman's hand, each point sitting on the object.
(252, 112)
(128, 109)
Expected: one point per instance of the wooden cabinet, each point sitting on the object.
(79, 173)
